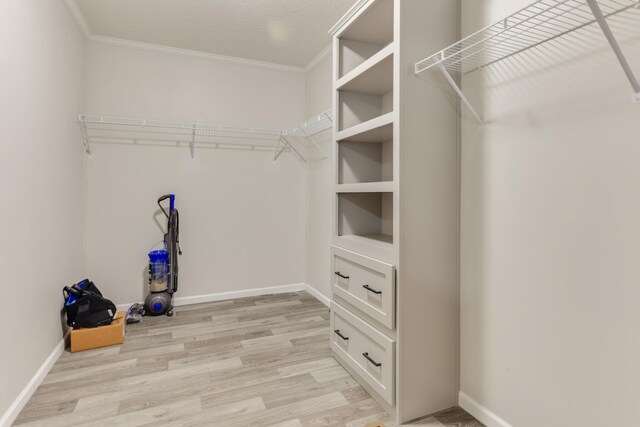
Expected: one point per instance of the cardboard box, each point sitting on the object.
(102, 336)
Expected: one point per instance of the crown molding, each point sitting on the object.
(78, 16)
(319, 57)
(80, 20)
(194, 53)
(354, 9)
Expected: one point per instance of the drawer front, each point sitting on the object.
(366, 350)
(365, 283)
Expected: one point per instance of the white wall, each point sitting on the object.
(551, 232)
(319, 187)
(242, 215)
(41, 170)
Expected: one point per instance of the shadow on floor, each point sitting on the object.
(452, 417)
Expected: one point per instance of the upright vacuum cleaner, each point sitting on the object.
(163, 265)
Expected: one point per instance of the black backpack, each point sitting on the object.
(86, 307)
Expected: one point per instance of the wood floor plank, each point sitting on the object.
(78, 374)
(213, 327)
(280, 339)
(93, 384)
(428, 422)
(289, 423)
(206, 416)
(247, 376)
(356, 394)
(329, 374)
(371, 419)
(88, 354)
(278, 357)
(288, 412)
(137, 378)
(149, 416)
(342, 414)
(301, 325)
(307, 367)
(75, 418)
(37, 411)
(132, 399)
(317, 310)
(265, 390)
(216, 341)
(308, 391)
(315, 341)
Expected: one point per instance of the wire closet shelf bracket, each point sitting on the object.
(541, 22)
(298, 140)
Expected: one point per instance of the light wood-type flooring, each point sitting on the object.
(247, 362)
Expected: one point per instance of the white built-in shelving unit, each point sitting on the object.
(394, 254)
(298, 139)
(530, 27)
(364, 89)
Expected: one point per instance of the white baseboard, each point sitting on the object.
(283, 289)
(221, 296)
(318, 295)
(482, 414)
(14, 410)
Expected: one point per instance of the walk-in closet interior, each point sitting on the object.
(320, 213)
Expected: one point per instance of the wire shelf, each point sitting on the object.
(102, 129)
(313, 126)
(541, 22)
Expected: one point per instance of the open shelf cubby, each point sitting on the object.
(369, 34)
(374, 76)
(357, 108)
(360, 162)
(367, 156)
(366, 216)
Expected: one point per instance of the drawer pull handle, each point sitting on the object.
(372, 290)
(337, 331)
(341, 275)
(376, 364)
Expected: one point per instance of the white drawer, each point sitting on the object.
(365, 283)
(367, 351)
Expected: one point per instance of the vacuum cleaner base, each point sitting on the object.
(159, 303)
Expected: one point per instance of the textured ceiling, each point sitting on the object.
(289, 32)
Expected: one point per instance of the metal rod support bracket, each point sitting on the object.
(314, 142)
(279, 150)
(458, 90)
(606, 29)
(292, 148)
(85, 138)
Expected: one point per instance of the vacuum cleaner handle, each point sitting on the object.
(172, 198)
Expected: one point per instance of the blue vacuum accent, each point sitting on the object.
(160, 256)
